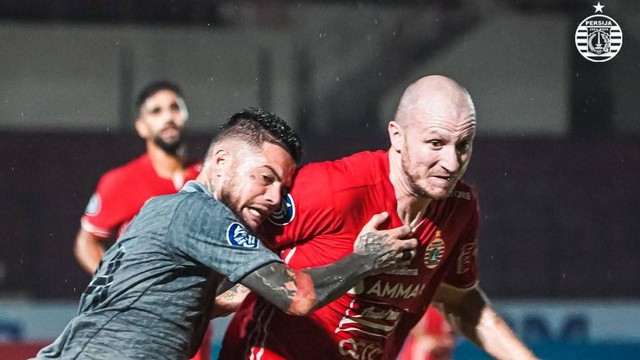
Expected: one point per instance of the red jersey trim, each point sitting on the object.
(88, 227)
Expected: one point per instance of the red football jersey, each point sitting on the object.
(121, 193)
(327, 207)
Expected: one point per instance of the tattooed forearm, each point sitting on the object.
(278, 278)
(290, 290)
(299, 292)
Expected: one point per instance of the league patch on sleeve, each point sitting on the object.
(285, 213)
(94, 205)
(238, 236)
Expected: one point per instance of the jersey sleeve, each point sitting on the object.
(209, 233)
(307, 211)
(464, 273)
(107, 209)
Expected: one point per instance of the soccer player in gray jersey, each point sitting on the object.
(153, 293)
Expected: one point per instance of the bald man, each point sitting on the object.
(417, 181)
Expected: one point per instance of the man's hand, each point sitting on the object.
(391, 248)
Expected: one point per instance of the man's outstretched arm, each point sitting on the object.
(469, 311)
(299, 292)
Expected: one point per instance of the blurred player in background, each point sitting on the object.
(431, 339)
(153, 293)
(121, 192)
(162, 169)
(417, 182)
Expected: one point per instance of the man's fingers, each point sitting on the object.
(410, 244)
(376, 220)
(406, 244)
(401, 232)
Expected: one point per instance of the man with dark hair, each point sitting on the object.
(121, 192)
(154, 290)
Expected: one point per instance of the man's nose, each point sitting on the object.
(450, 159)
(273, 194)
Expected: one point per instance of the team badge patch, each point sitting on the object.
(238, 236)
(435, 251)
(285, 213)
(94, 205)
(598, 37)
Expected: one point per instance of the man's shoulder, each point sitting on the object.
(128, 172)
(197, 202)
(354, 170)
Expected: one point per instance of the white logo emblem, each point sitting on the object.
(285, 213)
(598, 37)
(237, 236)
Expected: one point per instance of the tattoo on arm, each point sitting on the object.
(276, 282)
(238, 290)
(230, 300)
(372, 243)
(298, 292)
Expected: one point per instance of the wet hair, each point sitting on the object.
(151, 89)
(256, 127)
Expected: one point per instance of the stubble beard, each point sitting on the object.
(170, 148)
(412, 181)
(226, 197)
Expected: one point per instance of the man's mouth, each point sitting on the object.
(255, 212)
(444, 177)
(170, 129)
(259, 212)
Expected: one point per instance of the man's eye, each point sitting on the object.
(268, 179)
(435, 143)
(464, 146)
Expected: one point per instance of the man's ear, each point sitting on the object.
(220, 161)
(396, 136)
(141, 128)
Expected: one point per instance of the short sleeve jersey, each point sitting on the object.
(152, 295)
(121, 192)
(328, 205)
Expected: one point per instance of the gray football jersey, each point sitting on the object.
(154, 290)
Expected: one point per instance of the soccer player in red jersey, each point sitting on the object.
(161, 170)
(417, 181)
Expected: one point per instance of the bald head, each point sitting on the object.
(430, 93)
(431, 138)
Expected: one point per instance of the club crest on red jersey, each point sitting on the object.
(238, 236)
(285, 213)
(435, 251)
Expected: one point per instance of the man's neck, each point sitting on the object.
(411, 209)
(167, 166)
(409, 206)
